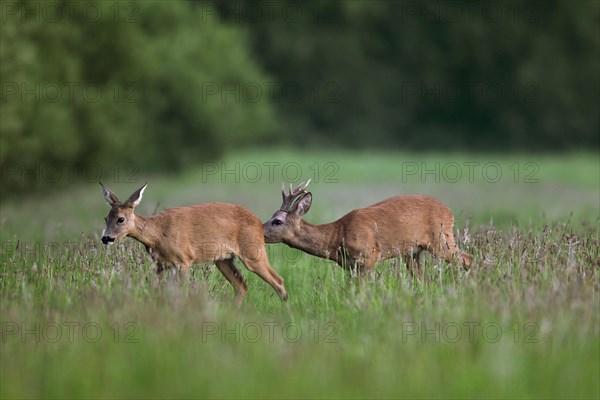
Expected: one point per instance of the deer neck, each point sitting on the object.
(318, 240)
(146, 231)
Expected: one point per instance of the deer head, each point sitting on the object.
(120, 220)
(282, 225)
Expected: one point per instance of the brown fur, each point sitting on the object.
(208, 232)
(399, 226)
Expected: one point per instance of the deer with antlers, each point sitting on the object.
(399, 226)
(182, 236)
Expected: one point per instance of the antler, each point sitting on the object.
(291, 200)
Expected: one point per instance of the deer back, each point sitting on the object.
(400, 220)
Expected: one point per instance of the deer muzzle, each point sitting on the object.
(107, 239)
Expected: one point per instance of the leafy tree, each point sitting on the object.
(126, 84)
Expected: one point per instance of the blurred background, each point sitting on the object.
(167, 85)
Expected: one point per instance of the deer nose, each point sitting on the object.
(107, 239)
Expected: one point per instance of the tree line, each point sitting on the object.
(168, 84)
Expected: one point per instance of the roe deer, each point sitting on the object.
(399, 226)
(183, 236)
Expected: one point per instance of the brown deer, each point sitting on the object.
(182, 236)
(399, 226)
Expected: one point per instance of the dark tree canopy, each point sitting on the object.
(169, 84)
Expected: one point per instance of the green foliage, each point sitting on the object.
(433, 74)
(170, 84)
(129, 85)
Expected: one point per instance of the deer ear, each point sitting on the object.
(109, 196)
(304, 204)
(135, 199)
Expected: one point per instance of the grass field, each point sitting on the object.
(83, 321)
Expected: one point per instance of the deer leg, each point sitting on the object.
(449, 251)
(355, 262)
(413, 263)
(466, 260)
(260, 266)
(365, 270)
(183, 272)
(354, 268)
(234, 276)
(368, 262)
(160, 269)
(164, 271)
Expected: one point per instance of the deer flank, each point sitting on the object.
(182, 236)
(399, 226)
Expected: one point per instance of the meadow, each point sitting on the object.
(80, 320)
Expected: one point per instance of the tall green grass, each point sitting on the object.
(83, 321)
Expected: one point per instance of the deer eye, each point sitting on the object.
(120, 220)
(277, 222)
